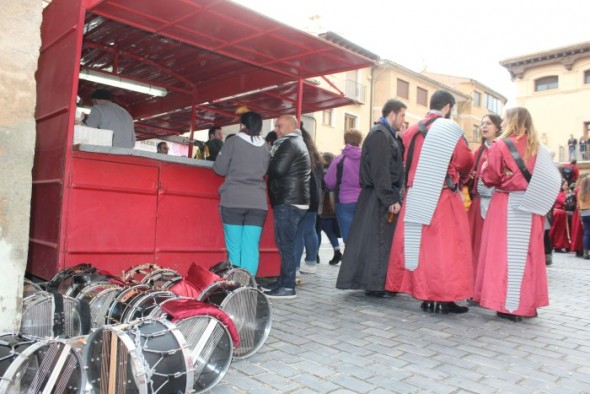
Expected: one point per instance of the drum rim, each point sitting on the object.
(117, 300)
(22, 357)
(161, 271)
(252, 282)
(128, 312)
(125, 277)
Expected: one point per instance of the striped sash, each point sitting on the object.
(423, 196)
(485, 196)
(537, 199)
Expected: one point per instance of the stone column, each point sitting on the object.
(20, 41)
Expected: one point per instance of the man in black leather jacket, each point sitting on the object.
(288, 190)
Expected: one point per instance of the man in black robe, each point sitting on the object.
(366, 256)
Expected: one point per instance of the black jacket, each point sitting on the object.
(289, 172)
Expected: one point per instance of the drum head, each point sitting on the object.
(146, 356)
(99, 296)
(39, 316)
(211, 349)
(249, 309)
(43, 366)
(64, 281)
(230, 272)
(122, 303)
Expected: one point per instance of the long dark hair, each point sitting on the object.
(314, 155)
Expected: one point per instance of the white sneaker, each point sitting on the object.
(308, 268)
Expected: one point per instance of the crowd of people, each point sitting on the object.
(575, 146)
(395, 200)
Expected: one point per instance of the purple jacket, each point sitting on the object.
(350, 187)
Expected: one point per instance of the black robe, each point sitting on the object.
(366, 256)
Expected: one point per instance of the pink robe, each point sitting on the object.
(491, 278)
(445, 268)
(560, 233)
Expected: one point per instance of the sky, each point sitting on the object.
(466, 38)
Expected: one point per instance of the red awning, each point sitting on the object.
(203, 51)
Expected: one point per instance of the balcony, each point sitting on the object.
(355, 90)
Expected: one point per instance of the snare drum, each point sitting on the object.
(145, 356)
(163, 278)
(99, 297)
(210, 334)
(230, 272)
(29, 365)
(249, 309)
(53, 315)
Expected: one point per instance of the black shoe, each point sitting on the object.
(428, 306)
(470, 302)
(337, 257)
(375, 294)
(318, 258)
(508, 316)
(451, 307)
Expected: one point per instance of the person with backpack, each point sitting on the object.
(570, 171)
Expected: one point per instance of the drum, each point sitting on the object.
(54, 315)
(145, 356)
(134, 275)
(65, 283)
(230, 272)
(210, 334)
(163, 278)
(122, 302)
(146, 304)
(249, 309)
(29, 365)
(99, 297)
(30, 287)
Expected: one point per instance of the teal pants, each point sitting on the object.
(242, 243)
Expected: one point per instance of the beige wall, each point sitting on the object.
(19, 44)
(557, 113)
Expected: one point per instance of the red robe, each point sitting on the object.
(577, 228)
(560, 232)
(445, 268)
(474, 213)
(491, 278)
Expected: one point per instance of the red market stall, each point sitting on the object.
(115, 208)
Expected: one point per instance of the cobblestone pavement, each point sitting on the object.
(333, 341)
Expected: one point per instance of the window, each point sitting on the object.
(587, 76)
(476, 133)
(546, 83)
(476, 98)
(327, 117)
(421, 96)
(349, 122)
(403, 89)
(494, 104)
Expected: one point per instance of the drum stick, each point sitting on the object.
(203, 340)
(113, 364)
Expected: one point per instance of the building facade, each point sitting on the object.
(554, 86)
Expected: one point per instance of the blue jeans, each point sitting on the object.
(344, 214)
(307, 235)
(329, 227)
(286, 222)
(586, 225)
(572, 152)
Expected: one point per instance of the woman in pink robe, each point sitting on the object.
(502, 172)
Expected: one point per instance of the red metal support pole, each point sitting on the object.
(299, 99)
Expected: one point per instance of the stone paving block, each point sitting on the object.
(469, 385)
(457, 371)
(351, 383)
(313, 368)
(353, 370)
(429, 385)
(386, 359)
(278, 382)
(425, 362)
(316, 383)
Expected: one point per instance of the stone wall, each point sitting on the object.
(20, 41)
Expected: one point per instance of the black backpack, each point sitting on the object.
(568, 172)
(570, 202)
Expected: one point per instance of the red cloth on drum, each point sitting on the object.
(445, 267)
(183, 308)
(491, 277)
(184, 288)
(201, 277)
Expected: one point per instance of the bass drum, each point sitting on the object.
(230, 272)
(249, 309)
(145, 356)
(99, 297)
(163, 278)
(29, 365)
(210, 334)
(68, 281)
(54, 315)
(122, 302)
(146, 304)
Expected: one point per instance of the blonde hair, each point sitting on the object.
(584, 193)
(518, 123)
